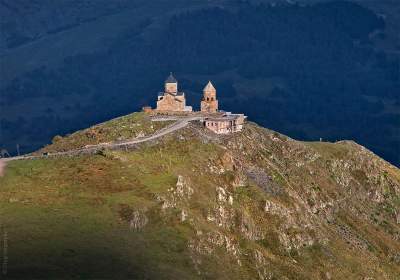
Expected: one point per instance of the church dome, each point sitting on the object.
(209, 87)
(171, 79)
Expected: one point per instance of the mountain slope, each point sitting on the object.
(193, 205)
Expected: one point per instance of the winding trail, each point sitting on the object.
(179, 124)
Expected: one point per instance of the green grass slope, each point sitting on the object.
(124, 128)
(193, 205)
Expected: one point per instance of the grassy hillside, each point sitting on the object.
(194, 205)
(127, 127)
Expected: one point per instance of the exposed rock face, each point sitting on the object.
(262, 266)
(183, 215)
(181, 191)
(223, 213)
(138, 221)
(182, 188)
(207, 243)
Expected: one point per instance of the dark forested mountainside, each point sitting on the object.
(308, 71)
(38, 18)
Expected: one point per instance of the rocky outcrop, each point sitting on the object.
(182, 191)
(138, 221)
(262, 266)
(223, 213)
(208, 243)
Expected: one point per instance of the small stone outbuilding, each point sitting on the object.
(226, 123)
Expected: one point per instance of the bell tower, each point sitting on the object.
(209, 102)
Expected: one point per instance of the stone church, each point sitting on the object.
(174, 102)
(171, 99)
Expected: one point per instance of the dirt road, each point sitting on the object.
(179, 124)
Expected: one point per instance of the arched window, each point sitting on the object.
(208, 99)
(212, 98)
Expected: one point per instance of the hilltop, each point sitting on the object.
(192, 204)
(63, 63)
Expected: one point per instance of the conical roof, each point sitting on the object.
(209, 87)
(171, 79)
